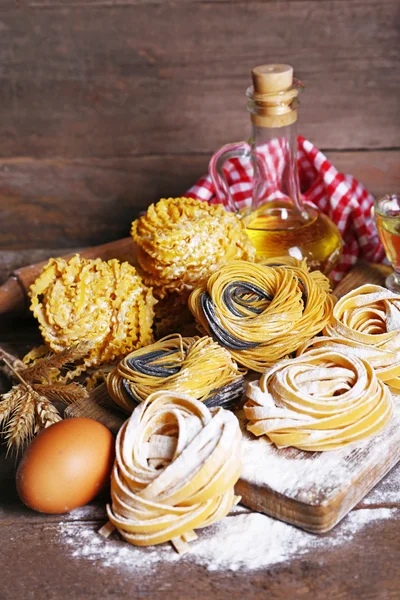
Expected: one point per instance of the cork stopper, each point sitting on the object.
(272, 78)
(273, 97)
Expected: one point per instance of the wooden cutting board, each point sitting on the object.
(315, 490)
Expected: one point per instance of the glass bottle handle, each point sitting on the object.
(216, 171)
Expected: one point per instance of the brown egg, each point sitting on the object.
(66, 466)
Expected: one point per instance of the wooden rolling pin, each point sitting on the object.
(14, 292)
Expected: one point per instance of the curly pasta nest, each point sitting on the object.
(262, 313)
(105, 303)
(182, 241)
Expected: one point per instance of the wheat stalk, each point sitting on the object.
(30, 413)
(67, 393)
(9, 402)
(46, 412)
(28, 407)
(49, 366)
(20, 427)
(15, 362)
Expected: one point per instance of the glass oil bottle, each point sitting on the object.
(278, 221)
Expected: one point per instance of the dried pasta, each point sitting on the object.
(385, 362)
(193, 365)
(181, 241)
(261, 313)
(321, 400)
(105, 303)
(289, 261)
(176, 466)
(366, 323)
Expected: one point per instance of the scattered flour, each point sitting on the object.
(387, 491)
(243, 540)
(290, 471)
(85, 513)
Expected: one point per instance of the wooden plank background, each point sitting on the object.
(107, 105)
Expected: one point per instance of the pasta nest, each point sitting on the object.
(105, 303)
(319, 401)
(262, 313)
(175, 469)
(181, 241)
(192, 365)
(366, 323)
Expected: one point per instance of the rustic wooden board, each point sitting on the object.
(91, 201)
(98, 125)
(361, 273)
(36, 562)
(86, 201)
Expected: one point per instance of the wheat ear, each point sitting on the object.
(20, 427)
(33, 412)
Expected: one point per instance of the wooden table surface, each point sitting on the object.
(55, 557)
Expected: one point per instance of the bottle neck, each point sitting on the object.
(274, 144)
(274, 151)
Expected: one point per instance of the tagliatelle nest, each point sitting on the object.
(182, 241)
(105, 303)
(196, 366)
(262, 313)
(321, 400)
(366, 323)
(176, 466)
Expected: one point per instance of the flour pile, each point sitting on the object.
(243, 540)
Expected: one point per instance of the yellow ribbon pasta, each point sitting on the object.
(105, 303)
(261, 313)
(175, 469)
(181, 241)
(289, 261)
(193, 365)
(319, 401)
(366, 322)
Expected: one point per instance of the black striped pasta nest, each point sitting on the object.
(192, 365)
(262, 313)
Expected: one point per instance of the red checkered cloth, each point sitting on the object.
(340, 196)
